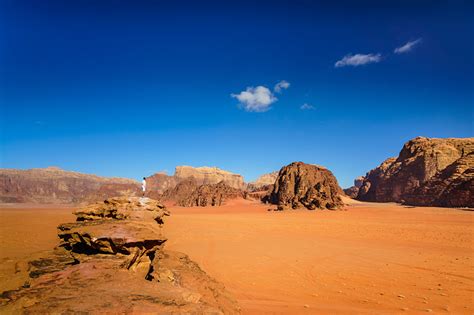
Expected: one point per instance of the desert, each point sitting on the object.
(236, 157)
(383, 258)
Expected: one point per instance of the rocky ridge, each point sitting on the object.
(112, 259)
(428, 172)
(54, 185)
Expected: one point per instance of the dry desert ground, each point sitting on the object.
(372, 258)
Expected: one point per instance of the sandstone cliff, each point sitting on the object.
(53, 185)
(306, 185)
(112, 260)
(209, 175)
(428, 171)
(353, 191)
(210, 195)
(263, 182)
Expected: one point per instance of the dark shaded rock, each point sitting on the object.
(428, 171)
(210, 195)
(306, 185)
(353, 191)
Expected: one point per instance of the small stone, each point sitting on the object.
(306, 306)
(429, 310)
(401, 296)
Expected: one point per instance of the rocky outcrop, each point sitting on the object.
(189, 193)
(301, 185)
(181, 191)
(53, 185)
(209, 175)
(353, 191)
(113, 260)
(263, 182)
(210, 195)
(428, 171)
(158, 183)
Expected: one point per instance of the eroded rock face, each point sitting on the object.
(209, 175)
(53, 185)
(210, 195)
(428, 171)
(354, 190)
(301, 185)
(112, 260)
(263, 182)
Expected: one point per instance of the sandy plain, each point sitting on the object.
(369, 258)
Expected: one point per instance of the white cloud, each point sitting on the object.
(282, 85)
(358, 60)
(256, 99)
(407, 47)
(306, 106)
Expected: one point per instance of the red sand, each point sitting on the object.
(381, 258)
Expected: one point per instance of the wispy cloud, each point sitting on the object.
(407, 47)
(306, 106)
(282, 85)
(358, 60)
(256, 99)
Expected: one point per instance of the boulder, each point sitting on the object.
(301, 185)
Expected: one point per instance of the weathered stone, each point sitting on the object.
(428, 171)
(301, 185)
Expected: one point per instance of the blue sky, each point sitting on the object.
(131, 88)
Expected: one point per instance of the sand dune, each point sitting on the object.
(385, 258)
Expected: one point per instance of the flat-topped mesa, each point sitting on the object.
(112, 260)
(428, 171)
(301, 185)
(209, 175)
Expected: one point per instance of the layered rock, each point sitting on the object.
(301, 185)
(209, 175)
(428, 171)
(112, 260)
(53, 185)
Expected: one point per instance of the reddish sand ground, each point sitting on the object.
(372, 258)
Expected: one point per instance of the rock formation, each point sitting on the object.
(353, 191)
(428, 171)
(209, 175)
(306, 185)
(189, 193)
(263, 182)
(160, 183)
(210, 195)
(53, 185)
(113, 260)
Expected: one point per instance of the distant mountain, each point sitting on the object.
(427, 172)
(263, 181)
(158, 183)
(54, 185)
